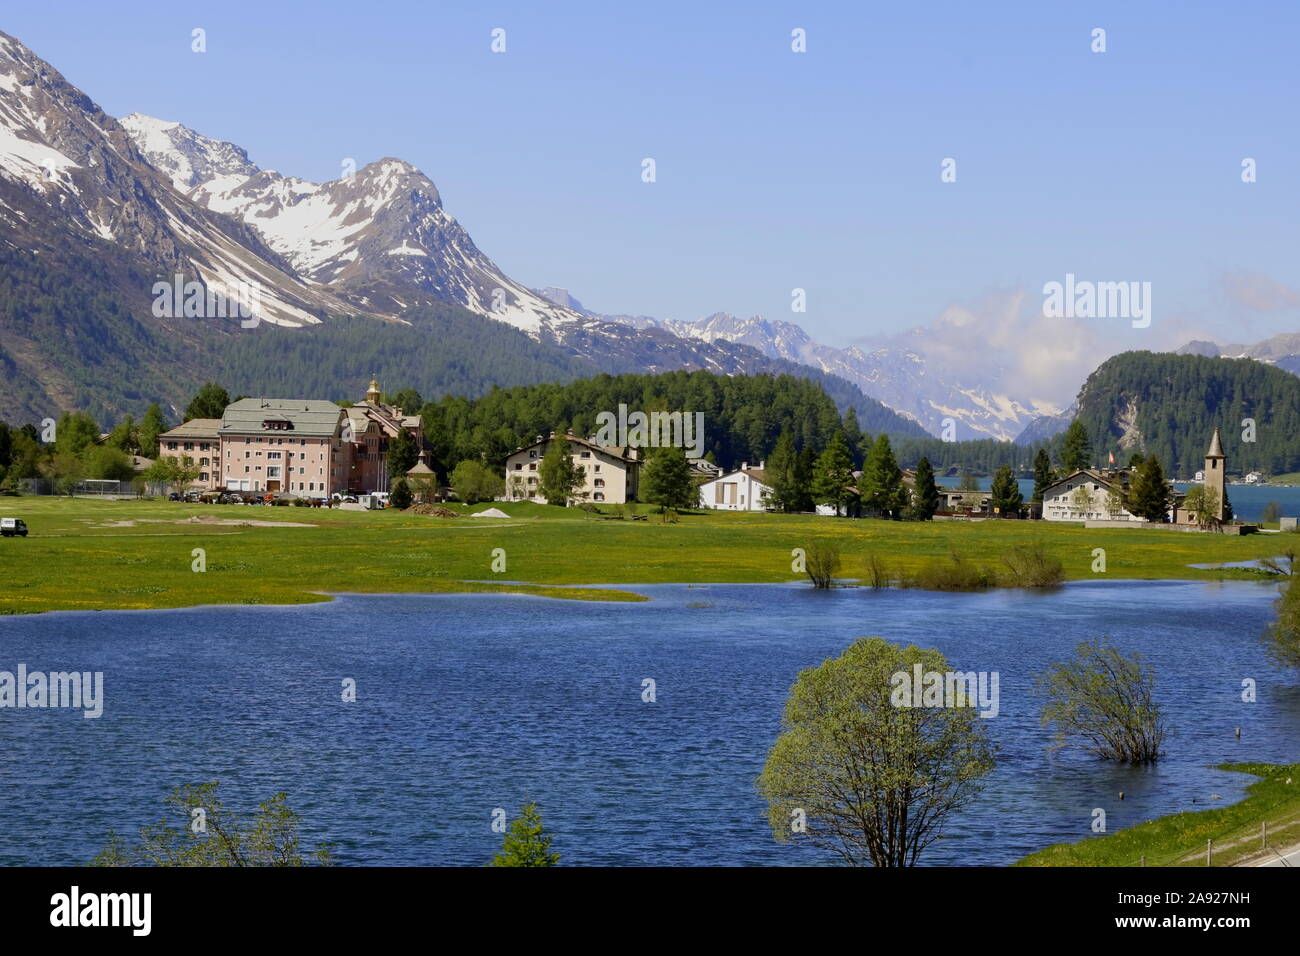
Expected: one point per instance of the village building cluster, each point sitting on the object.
(317, 449)
(302, 447)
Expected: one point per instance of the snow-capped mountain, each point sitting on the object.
(66, 167)
(893, 373)
(379, 236)
(109, 208)
(381, 239)
(1282, 350)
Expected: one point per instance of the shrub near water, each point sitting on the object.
(1025, 566)
(1030, 566)
(954, 573)
(823, 562)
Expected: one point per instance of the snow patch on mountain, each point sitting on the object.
(893, 373)
(380, 226)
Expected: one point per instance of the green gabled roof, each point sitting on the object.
(310, 418)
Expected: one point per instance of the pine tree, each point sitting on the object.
(882, 481)
(403, 453)
(124, 436)
(833, 474)
(782, 473)
(1149, 497)
(1004, 495)
(666, 481)
(1076, 453)
(853, 436)
(925, 497)
(151, 426)
(1043, 475)
(803, 478)
(209, 402)
(400, 496)
(526, 842)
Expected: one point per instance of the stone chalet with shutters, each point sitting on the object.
(609, 474)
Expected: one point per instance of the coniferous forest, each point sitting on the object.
(1168, 406)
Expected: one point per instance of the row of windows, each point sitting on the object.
(189, 445)
(273, 471)
(519, 466)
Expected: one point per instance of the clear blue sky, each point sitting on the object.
(775, 169)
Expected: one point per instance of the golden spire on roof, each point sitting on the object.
(373, 394)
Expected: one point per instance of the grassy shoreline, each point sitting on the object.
(1180, 838)
(89, 554)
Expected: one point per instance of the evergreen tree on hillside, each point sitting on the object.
(125, 436)
(925, 497)
(1043, 474)
(833, 474)
(403, 453)
(209, 402)
(853, 436)
(783, 473)
(803, 477)
(74, 433)
(1149, 496)
(882, 481)
(151, 426)
(666, 480)
(1076, 454)
(1176, 401)
(1004, 495)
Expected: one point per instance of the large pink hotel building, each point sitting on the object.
(310, 448)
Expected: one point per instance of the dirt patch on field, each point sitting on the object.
(209, 520)
(436, 511)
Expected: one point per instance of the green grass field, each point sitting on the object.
(1179, 839)
(91, 554)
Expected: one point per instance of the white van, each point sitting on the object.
(13, 527)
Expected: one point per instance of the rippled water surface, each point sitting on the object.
(472, 702)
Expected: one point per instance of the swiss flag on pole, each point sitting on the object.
(1112, 457)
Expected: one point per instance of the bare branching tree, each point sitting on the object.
(1105, 701)
(822, 562)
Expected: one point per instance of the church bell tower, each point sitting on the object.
(1215, 478)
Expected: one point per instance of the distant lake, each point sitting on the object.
(1248, 501)
(472, 702)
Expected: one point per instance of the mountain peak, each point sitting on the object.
(188, 158)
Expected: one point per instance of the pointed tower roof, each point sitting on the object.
(1216, 447)
(372, 393)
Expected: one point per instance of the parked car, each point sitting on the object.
(13, 527)
(173, 497)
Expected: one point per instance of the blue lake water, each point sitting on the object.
(472, 702)
(1248, 501)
